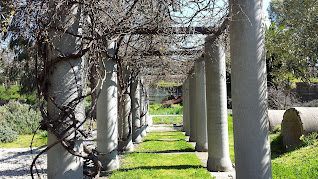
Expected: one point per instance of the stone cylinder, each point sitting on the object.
(249, 90)
(143, 132)
(200, 106)
(65, 84)
(298, 121)
(125, 118)
(275, 118)
(216, 99)
(135, 100)
(185, 101)
(107, 113)
(192, 107)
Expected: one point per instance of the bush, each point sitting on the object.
(7, 134)
(309, 139)
(20, 117)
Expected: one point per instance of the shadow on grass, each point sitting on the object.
(168, 151)
(277, 147)
(163, 140)
(171, 167)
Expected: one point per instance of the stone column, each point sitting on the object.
(107, 113)
(147, 109)
(184, 121)
(186, 109)
(135, 100)
(125, 119)
(216, 99)
(200, 105)
(65, 84)
(249, 90)
(192, 108)
(142, 109)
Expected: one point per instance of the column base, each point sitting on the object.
(219, 164)
(126, 146)
(109, 161)
(201, 147)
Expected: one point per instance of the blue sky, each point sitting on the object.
(265, 6)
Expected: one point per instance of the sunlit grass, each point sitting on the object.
(24, 141)
(164, 141)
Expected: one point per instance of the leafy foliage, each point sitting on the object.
(7, 134)
(20, 117)
(291, 40)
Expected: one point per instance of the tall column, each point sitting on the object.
(219, 156)
(249, 91)
(107, 112)
(135, 100)
(186, 107)
(200, 105)
(193, 120)
(66, 83)
(184, 121)
(147, 109)
(142, 109)
(125, 119)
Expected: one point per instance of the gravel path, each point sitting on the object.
(16, 162)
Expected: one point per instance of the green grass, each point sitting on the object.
(24, 141)
(301, 163)
(149, 165)
(164, 141)
(231, 138)
(159, 109)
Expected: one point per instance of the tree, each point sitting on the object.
(292, 41)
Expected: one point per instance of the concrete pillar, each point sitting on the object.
(200, 105)
(107, 113)
(66, 82)
(135, 100)
(143, 132)
(216, 99)
(147, 109)
(192, 108)
(249, 90)
(125, 119)
(186, 109)
(184, 122)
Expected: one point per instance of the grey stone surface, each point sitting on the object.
(249, 90)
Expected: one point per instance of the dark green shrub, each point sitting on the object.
(7, 134)
(20, 117)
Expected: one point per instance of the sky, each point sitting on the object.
(265, 6)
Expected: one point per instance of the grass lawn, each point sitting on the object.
(165, 141)
(149, 165)
(24, 141)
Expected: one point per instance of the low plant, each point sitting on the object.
(7, 135)
(21, 118)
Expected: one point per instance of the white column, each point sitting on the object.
(186, 108)
(200, 105)
(192, 108)
(142, 109)
(135, 99)
(249, 90)
(107, 113)
(125, 119)
(219, 156)
(66, 83)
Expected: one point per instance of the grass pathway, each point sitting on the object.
(158, 157)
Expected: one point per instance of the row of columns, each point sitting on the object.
(251, 141)
(205, 98)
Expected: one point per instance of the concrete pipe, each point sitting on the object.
(275, 118)
(298, 121)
